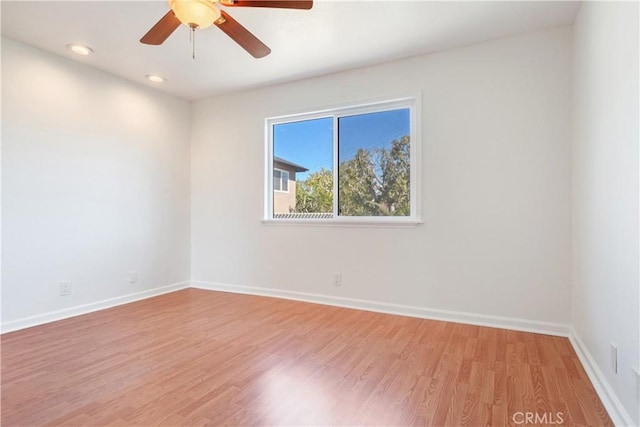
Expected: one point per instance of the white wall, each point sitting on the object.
(95, 183)
(605, 190)
(496, 120)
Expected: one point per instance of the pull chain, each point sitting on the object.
(192, 38)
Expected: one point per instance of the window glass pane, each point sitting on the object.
(305, 150)
(285, 181)
(276, 180)
(374, 167)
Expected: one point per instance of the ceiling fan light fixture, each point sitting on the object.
(195, 13)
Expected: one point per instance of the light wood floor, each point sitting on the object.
(197, 357)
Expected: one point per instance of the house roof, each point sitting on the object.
(295, 166)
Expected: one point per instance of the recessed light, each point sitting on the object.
(79, 49)
(155, 78)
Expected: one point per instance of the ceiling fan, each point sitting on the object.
(203, 13)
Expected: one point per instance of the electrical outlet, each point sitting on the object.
(133, 276)
(337, 279)
(65, 288)
(614, 358)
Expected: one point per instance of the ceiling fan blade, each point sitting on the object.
(242, 36)
(279, 4)
(163, 29)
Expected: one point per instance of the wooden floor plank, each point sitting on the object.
(196, 357)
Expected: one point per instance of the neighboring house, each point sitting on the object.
(284, 185)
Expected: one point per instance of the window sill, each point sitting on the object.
(353, 223)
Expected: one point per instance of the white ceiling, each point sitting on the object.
(333, 36)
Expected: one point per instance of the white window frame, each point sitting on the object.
(282, 171)
(414, 219)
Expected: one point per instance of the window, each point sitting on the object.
(280, 180)
(347, 165)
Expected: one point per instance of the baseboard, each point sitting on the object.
(402, 310)
(52, 316)
(398, 309)
(609, 399)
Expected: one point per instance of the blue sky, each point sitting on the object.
(309, 143)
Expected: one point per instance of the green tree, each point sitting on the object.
(370, 184)
(376, 184)
(357, 185)
(315, 194)
(394, 179)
